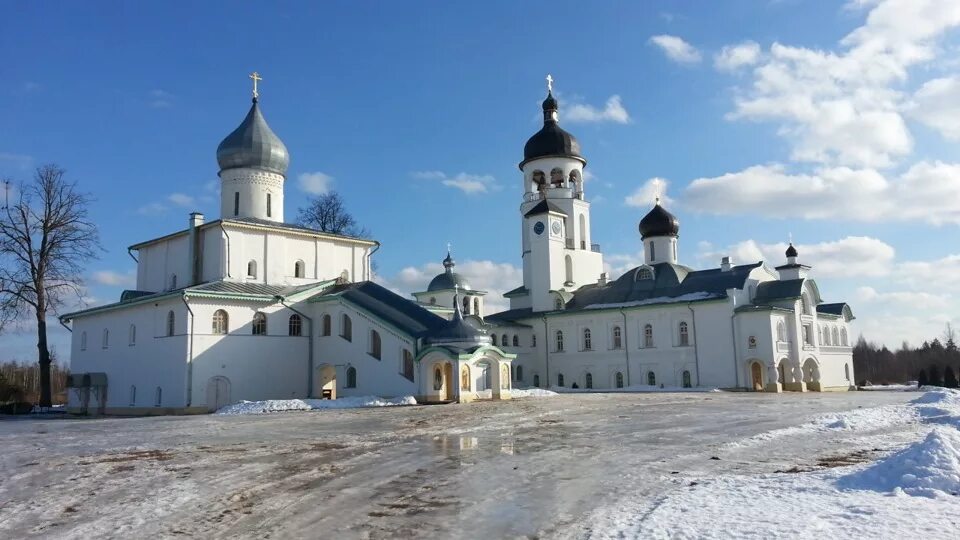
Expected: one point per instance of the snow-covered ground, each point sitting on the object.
(889, 388)
(913, 492)
(629, 465)
(637, 388)
(281, 405)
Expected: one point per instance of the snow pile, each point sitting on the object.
(889, 388)
(691, 297)
(939, 406)
(929, 468)
(531, 392)
(279, 405)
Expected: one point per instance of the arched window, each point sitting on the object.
(476, 306)
(653, 252)
(558, 305)
(556, 177)
(464, 378)
(617, 338)
(826, 336)
(375, 344)
(843, 337)
(466, 305)
(805, 300)
(346, 327)
(588, 383)
(820, 335)
(619, 380)
(539, 179)
(781, 331)
(408, 364)
(252, 269)
(299, 269)
(587, 341)
(133, 395)
(516, 340)
(536, 381)
(648, 335)
(83, 340)
(133, 334)
(686, 379)
(559, 379)
(836, 336)
(173, 281)
(503, 340)
(171, 323)
(433, 301)
(559, 342)
(846, 371)
(568, 265)
(438, 378)
(159, 397)
(351, 377)
(221, 322)
(259, 326)
(325, 324)
(519, 373)
(106, 338)
(269, 205)
(651, 378)
(643, 273)
(684, 335)
(295, 325)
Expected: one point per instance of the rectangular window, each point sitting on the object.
(236, 203)
(268, 206)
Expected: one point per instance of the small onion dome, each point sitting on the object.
(551, 140)
(253, 145)
(659, 222)
(448, 279)
(457, 330)
(791, 251)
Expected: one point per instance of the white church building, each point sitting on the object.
(249, 307)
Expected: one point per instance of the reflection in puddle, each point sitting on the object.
(456, 444)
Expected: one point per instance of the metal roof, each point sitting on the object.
(253, 145)
(383, 303)
(543, 207)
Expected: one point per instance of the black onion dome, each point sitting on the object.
(659, 222)
(791, 251)
(448, 279)
(551, 140)
(457, 330)
(253, 145)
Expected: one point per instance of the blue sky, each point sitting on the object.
(838, 123)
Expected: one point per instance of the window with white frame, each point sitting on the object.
(587, 341)
(684, 334)
(648, 335)
(617, 338)
(559, 336)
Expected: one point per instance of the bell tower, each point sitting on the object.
(555, 227)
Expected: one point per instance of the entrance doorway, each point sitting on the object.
(218, 393)
(756, 371)
(325, 384)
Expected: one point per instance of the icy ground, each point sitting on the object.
(284, 405)
(627, 465)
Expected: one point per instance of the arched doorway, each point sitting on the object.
(325, 382)
(811, 374)
(483, 376)
(756, 376)
(218, 393)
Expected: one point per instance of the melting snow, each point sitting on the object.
(279, 405)
(930, 468)
(531, 392)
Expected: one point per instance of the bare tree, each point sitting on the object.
(45, 238)
(327, 213)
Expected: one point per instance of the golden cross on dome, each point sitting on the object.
(256, 77)
(549, 83)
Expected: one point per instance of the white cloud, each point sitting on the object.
(852, 256)
(315, 183)
(471, 184)
(616, 264)
(646, 194)
(160, 99)
(937, 104)
(676, 49)
(495, 278)
(927, 191)
(152, 209)
(734, 57)
(844, 107)
(181, 199)
(944, 272)
(913, 300)
(21, 161)
(613, 111)
(114, 279)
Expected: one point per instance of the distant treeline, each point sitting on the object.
(21, 383)
(935, 362)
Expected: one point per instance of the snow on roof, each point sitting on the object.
(690, 297)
